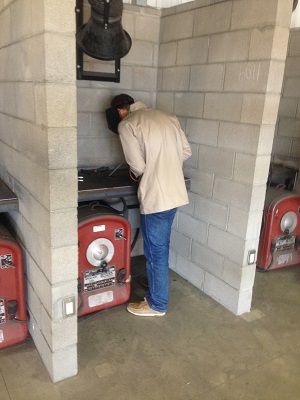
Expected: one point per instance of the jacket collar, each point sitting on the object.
(138, 105)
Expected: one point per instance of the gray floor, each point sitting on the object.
(199, 350)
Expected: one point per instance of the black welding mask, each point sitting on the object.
(113, 119)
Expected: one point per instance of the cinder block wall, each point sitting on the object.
(286, 146)
(221, 70)
(38, 161)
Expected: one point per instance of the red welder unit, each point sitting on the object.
(104, 240)
(279, 244)
(13, 318)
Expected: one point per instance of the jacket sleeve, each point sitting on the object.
(131, 148)
(186, 148)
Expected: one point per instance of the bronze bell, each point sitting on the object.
(103, 37)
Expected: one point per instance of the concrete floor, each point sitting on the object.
(199, 350)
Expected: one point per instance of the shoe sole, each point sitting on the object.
(146, 314)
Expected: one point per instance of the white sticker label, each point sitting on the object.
(1, 336)
(101, 298)
(99, 228)
(285, 258)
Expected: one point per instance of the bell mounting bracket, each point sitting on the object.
(92, 75)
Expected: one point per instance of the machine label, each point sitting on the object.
(99, 228)
(1, 336)
(6, 261)
(98, 278)
(101, 298)
(2, 311)
(285, 242)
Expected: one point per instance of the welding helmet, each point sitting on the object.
(112, 115)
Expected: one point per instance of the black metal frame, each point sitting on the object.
(88, 75)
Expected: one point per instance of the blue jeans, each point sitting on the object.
(156, 229)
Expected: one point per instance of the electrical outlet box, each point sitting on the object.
(68, 305)
(251, 257)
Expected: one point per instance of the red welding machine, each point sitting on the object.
(104, 240)
(279, 244)
(13, 318)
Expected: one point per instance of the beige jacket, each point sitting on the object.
(155, 147)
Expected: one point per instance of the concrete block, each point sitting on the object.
(275, 78)
(176, 79)
(193, 160)
(64, 264)
(294, 45)
(147, 28)
(223, 106)
(247, 76)
(20, 20)
(213, 19)
(258, 108)
(291, 87)
(265, 139)
(288, 107)
(165, 101)
(269, 42)
(9, 101)
(62, 141)
(192, 227)
(95, 100)
(289, 127)
(5, 22)
(128, 22)
(229, 245)
(201, 182)
(208, 259)
(238, 302)
(167, 54)
(250, 169)
(59, 334)
(206, 78)
(189, 104)
(295, 148)
(232, 193)
(37, 17)
(239, 137)
(144, 78)
(63, 188)
(211, 211)
(292, 67)
(55, 16)
(189, 208)
(217, 161)
(192, 51)
(59, 67)
(176, 27)
(25, 103)
(181, 243)
(202, 131)
(282, 145)
(61, 105)
(141, 53)
(229, 46)
(190, 271)
(64, 228)
(244, 224)
(89, 151)
(254, 13)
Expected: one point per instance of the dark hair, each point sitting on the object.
(121, 101)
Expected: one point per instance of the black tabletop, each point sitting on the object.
(8, 200)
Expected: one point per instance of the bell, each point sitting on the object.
(103, 37)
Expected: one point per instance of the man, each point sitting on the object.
(154, 147)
